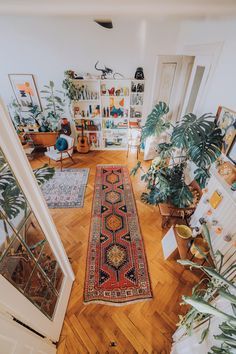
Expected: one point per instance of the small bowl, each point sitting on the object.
(183, 231)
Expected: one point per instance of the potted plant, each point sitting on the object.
(193, 140)
(54, 104)
(215, 284)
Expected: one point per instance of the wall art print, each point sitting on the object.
(226, 121)
(25, 90)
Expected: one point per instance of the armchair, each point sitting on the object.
(53, 154)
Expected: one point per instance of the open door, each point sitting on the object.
(35, 274)
(170, 84)
(197, 84)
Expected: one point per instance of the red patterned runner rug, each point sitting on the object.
(116, 264)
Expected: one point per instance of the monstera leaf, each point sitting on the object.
(205, 152)
(43, 174)
(191, 130)
(6, 178)
(181, 196)
(12, 201)
(201, 176)
(155, 124)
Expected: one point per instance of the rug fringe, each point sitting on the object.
(116, 304)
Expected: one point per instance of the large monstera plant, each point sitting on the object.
(193, 139)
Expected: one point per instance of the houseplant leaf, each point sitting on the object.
(154, 124)
(201, 176)
(203, 153)
(43, 174)
(190, 130)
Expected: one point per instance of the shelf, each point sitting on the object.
(136, 80)
(115, 96)
(82, 80)
(115, 118)
(112, 130)
(87, 118)
(79, 101)
(109, 129)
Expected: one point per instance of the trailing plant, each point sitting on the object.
(216, 283)
(55, 104)
(192, 140)
(69, 86)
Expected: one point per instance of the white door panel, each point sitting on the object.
(39, 307)
(15, 339)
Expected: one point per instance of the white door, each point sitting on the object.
(16, 339)
(35, 274)
(170, 85)
(197, 84)
(171, 81)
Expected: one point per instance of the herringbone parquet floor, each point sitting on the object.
(144, 327)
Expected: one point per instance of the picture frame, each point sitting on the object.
(226, 121)
(25, 90)
(232, 151)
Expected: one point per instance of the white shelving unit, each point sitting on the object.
(108, 109)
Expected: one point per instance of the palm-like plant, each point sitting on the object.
(193, 139)
(55, 103)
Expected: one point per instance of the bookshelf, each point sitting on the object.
(108, 109)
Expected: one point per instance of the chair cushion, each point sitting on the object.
(61, 144)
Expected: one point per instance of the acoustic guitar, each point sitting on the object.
(83, 144)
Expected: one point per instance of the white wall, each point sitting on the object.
(221, 90)
(47, 46)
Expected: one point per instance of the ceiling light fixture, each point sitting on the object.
(104, 23)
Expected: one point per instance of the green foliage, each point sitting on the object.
(43, 174)
(55, 103)
(206, 151)
(12, 201)
(155, 124)
(69, 86)
(216, 284)
(193, 139)
(201, 176)
(135, 169)
(190, 130)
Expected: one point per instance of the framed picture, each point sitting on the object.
(25, 90)
(232, 151)
(226, 121)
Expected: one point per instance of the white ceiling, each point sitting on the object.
(117, 8)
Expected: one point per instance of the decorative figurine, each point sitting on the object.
(139, 75)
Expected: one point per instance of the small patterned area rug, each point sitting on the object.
(116, 264)
(66, 189)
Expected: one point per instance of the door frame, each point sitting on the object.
(12, 300)
(212, 52)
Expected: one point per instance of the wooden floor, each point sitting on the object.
(144, 327)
